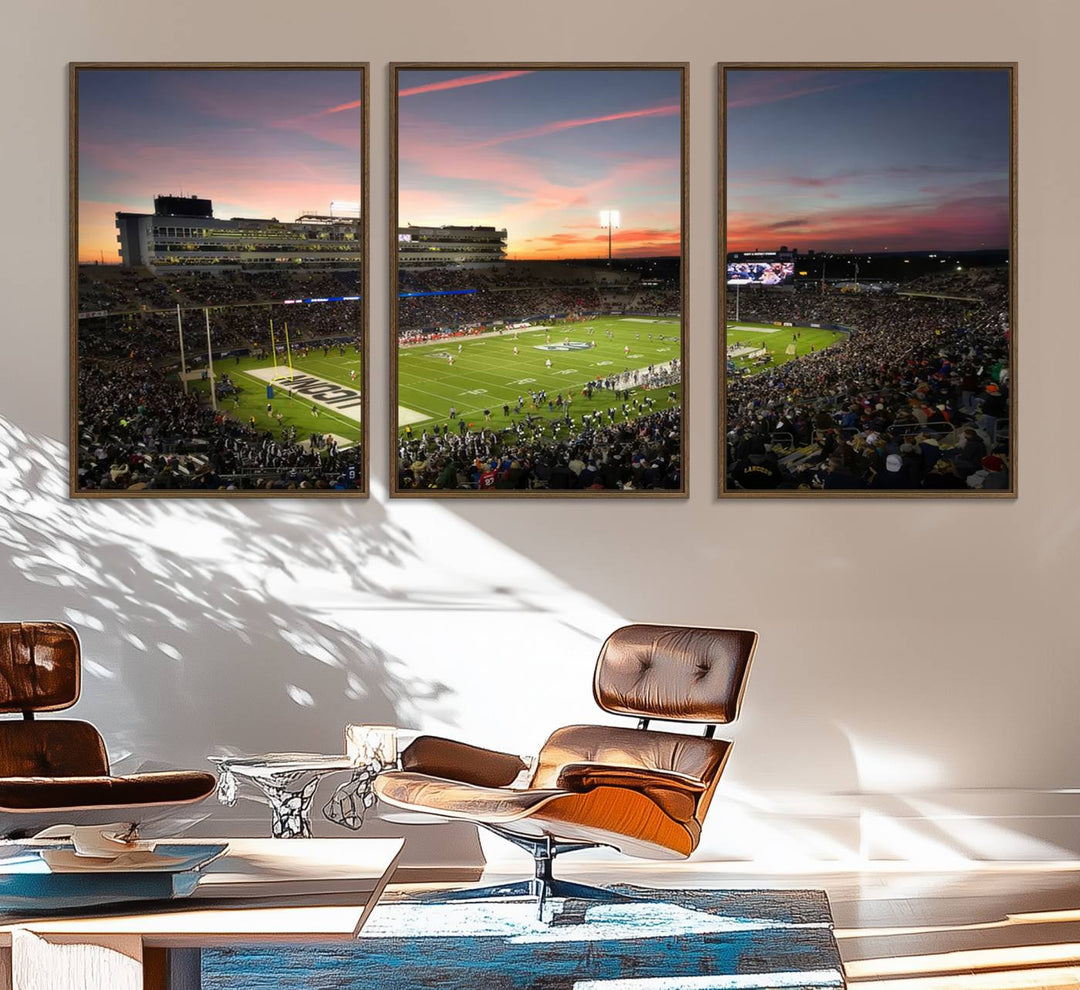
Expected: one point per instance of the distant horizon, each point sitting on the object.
(869, 161)
(1004, 249)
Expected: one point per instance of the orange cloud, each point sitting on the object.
(644, 242)
(953, 223)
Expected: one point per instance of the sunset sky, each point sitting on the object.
(867, 160)
(541, 153)
(268, 143)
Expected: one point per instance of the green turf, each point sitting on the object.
(757, 335)
(486, 373)
(295, 412)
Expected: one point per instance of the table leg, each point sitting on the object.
(172, 969)
(89, 962)
(290, 809)
(351, 800)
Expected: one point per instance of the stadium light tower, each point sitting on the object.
(609, 219)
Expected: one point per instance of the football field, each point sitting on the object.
(487, 374)
(318, 381)
(778, 341)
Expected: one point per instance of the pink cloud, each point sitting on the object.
(565, 125)
(353, 105)
(951, 223)
(757, 88)
(280, 184)
(476, 80)
(523, 195)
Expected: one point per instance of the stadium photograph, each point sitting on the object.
(868, 291)
(538, 240)
(218, 318)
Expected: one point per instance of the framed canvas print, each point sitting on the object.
(218, 266)
(868, 280)
(538, 278)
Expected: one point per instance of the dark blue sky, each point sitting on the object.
(868, 160)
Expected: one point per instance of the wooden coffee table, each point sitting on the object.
(261, 890)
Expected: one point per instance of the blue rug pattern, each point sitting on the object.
(661, 940)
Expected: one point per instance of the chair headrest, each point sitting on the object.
(677, 673)
(39, 666)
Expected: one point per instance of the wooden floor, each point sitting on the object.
(988, 926)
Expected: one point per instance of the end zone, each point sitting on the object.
(406, 416)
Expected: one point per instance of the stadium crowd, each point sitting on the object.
(485, 306)
(516, 292)
(139, 431)
(152, 337)
(641, 454)
(121, 290)
(916, 397)
(137, 427)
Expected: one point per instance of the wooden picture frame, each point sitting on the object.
(346, 474)
(397, 69)
(726, 487)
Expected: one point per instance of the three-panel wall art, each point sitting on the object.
(537, 311)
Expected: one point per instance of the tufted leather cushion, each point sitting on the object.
(679, 673)
(619, 746)
(78, 793)
(676, 794)
(460, 799)
(51, 748)
(438, 757)
(39, 666)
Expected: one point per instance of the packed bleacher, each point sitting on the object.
(142, 322)
(916, 397)
(153, 336)
(632, 446)
(593, 453)
(519, 292)
(990, 284)
(139, 430)
(119, 290)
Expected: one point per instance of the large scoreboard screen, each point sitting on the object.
(760, 272)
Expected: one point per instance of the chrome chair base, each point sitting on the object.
(536, 890)
(542, 886)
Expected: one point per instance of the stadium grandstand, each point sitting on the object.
(182, 234)
(904, 387)
(465, 247)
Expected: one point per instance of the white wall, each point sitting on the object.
(917, 686)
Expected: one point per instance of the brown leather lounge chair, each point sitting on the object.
(643, 792)
(55, 771)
